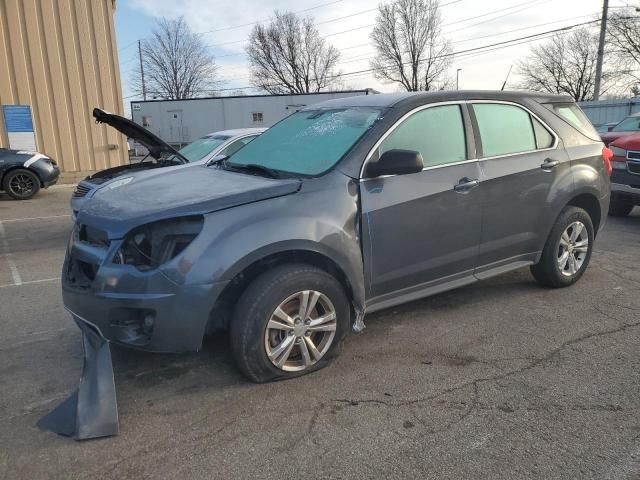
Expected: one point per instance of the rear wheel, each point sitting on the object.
(290, 321)
(620, 207)
(21, 184)
(567, 251)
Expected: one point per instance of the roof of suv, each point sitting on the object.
(391, 99)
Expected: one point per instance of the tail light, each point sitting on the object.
(607, 156)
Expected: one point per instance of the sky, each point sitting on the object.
(225, 26)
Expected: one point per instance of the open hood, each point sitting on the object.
(157, 147)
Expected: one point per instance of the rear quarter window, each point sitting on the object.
(574, 116)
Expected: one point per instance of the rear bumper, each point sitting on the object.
(142, 310)
(622, 190)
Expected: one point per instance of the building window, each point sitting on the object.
(146, 121)
(257, 117)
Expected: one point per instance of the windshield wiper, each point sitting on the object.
(252, 167)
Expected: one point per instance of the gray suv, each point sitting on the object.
(341, 209)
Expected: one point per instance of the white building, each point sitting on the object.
(181, 121)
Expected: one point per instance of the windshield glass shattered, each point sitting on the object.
(308, 142)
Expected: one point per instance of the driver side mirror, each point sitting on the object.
(395, 162)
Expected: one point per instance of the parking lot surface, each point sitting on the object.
(502, 379)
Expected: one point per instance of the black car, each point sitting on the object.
(24, 173)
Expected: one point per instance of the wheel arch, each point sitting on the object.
(247, 271)
(13, 168)
(590, 203)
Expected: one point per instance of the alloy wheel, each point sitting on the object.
(300, 331)
(22, 184)
(573, 248)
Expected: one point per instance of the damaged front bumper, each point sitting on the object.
(143, 310)
(118, 303)
(92, 411)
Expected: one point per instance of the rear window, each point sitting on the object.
(571, 113)
(629, 124)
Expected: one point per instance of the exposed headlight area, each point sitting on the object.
(148, 246)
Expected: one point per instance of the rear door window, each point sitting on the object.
(436, 132)
(504, 129)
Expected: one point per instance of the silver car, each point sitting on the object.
(160, 154)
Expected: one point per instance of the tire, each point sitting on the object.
(21, 184)
(620, 207)
(252, 338)
(548, 271)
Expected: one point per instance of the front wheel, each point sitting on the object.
(567, 251)
(21, 184)
(290, 321)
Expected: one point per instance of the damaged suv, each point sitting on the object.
(345, 207)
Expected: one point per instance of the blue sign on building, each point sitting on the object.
(18, 123)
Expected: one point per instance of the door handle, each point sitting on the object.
(549, 164)
(465, 184)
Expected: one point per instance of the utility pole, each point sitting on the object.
(144, 87)
(603, 32)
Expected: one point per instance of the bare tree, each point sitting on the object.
(566, 64)
(410, 48)
(287, 55)
(624, 46)
(176, 63)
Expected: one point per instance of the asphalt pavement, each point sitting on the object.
(501, 379)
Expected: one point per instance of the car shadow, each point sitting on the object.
(214, 368)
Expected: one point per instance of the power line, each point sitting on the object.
(464, 53)
(265, 19)
(371, 10)
(247, 24)
(536, 3)
(128, 45)
(504, 42)
(347, 16)
(532, 3)
(523, 28)
(330, 21)
(489, 13)
(369, 57)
